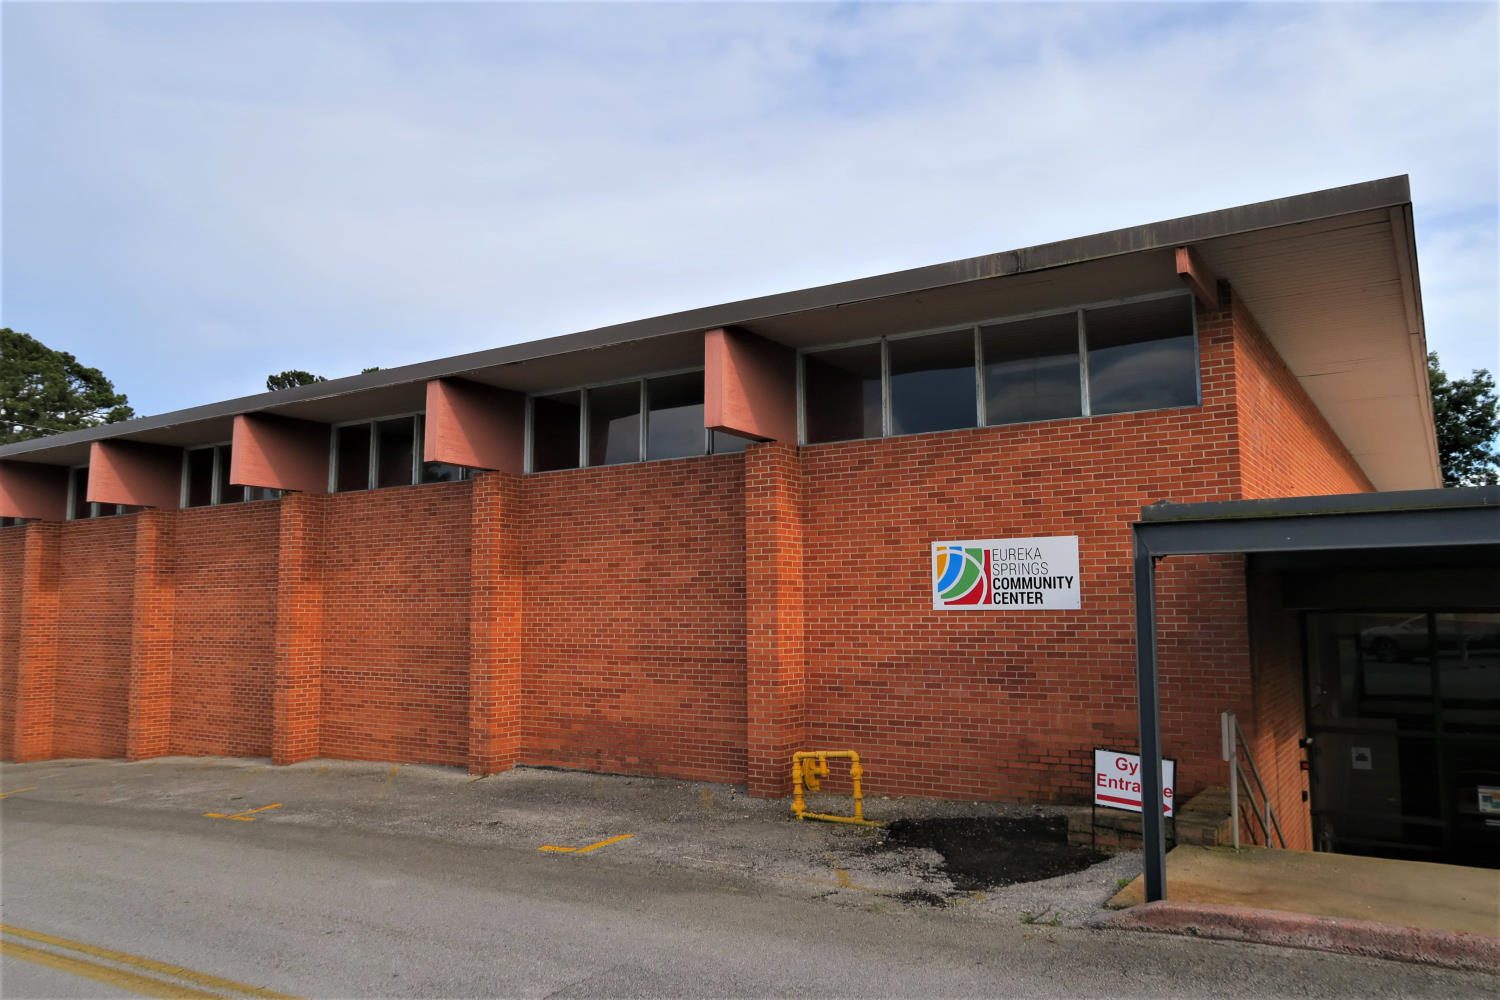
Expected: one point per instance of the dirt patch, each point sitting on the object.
(981, 852)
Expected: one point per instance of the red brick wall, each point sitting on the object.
(395, 625)
(775, 653)
(634, 634)
(96, 568)
(1006, 705)
(224, 630)
(1009, 705)
(12, 543)
(700, 618)
(1278, 720)
(1287, 448)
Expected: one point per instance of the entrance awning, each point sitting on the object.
(1449, 519)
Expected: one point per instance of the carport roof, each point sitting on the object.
(1468, 516)
(1339, 503)
(1414, 521)
(1331, 277)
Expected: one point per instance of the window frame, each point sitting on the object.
(981, 404)
(96, 509)
(373, 469)
(528, 463)
(372, 479)
(216, 498)
(1083, 355)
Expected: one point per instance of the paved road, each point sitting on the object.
(348, 911)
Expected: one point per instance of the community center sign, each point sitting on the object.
(1006, 574)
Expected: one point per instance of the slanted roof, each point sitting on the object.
(1331, 276)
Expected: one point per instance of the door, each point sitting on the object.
(1404, 720)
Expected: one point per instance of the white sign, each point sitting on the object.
(1360, 759)
(1006, 574)
(1117, 781)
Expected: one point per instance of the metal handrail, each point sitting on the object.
(1233, 742)
(1255, 773)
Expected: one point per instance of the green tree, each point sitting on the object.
(1467, 415)
(291, 378)
(43, 391)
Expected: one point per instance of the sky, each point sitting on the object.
(197, 195)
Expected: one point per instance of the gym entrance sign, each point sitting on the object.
(1006, 574)
(1117, 781)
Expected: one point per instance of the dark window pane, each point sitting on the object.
(554, 431)
(353, 458)
(841, 393)
(262, 493)
(1142, 356)
(227, 492)
(80, 493)
(1468, 652)
(200, 473)
(674, 422)
(615, 424)
(725, 443)
(442, 472)
(395, 440)
(932, 383)
(1363, 667)
(1031, 370)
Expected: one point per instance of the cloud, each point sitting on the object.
(196, 196)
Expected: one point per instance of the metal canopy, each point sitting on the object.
(1416, 519)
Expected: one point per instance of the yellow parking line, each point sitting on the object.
(244, 815)
(555, 849)
(136, 961)
(17, 791)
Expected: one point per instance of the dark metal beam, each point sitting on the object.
(1396, 529)
(1336, 503)
(1153, 833)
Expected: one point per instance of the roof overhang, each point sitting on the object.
(1331, 277)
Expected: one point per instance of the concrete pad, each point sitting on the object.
(1379, 890)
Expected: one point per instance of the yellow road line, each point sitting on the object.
(136, 961)
(118, 978)
(244, 815)
(584, 850)
(17, 791)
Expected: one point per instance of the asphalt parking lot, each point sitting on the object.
(230, 877)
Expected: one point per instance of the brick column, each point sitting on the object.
(775, 693)
(297, 698)
(149, 729)
(495, 578)
(36, 660)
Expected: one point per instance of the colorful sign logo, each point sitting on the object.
(963, 575)
(1006, 574)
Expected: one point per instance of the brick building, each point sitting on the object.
(690, 545)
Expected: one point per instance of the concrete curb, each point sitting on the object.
(1448, 949)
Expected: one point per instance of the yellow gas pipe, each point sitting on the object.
(809, 767)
